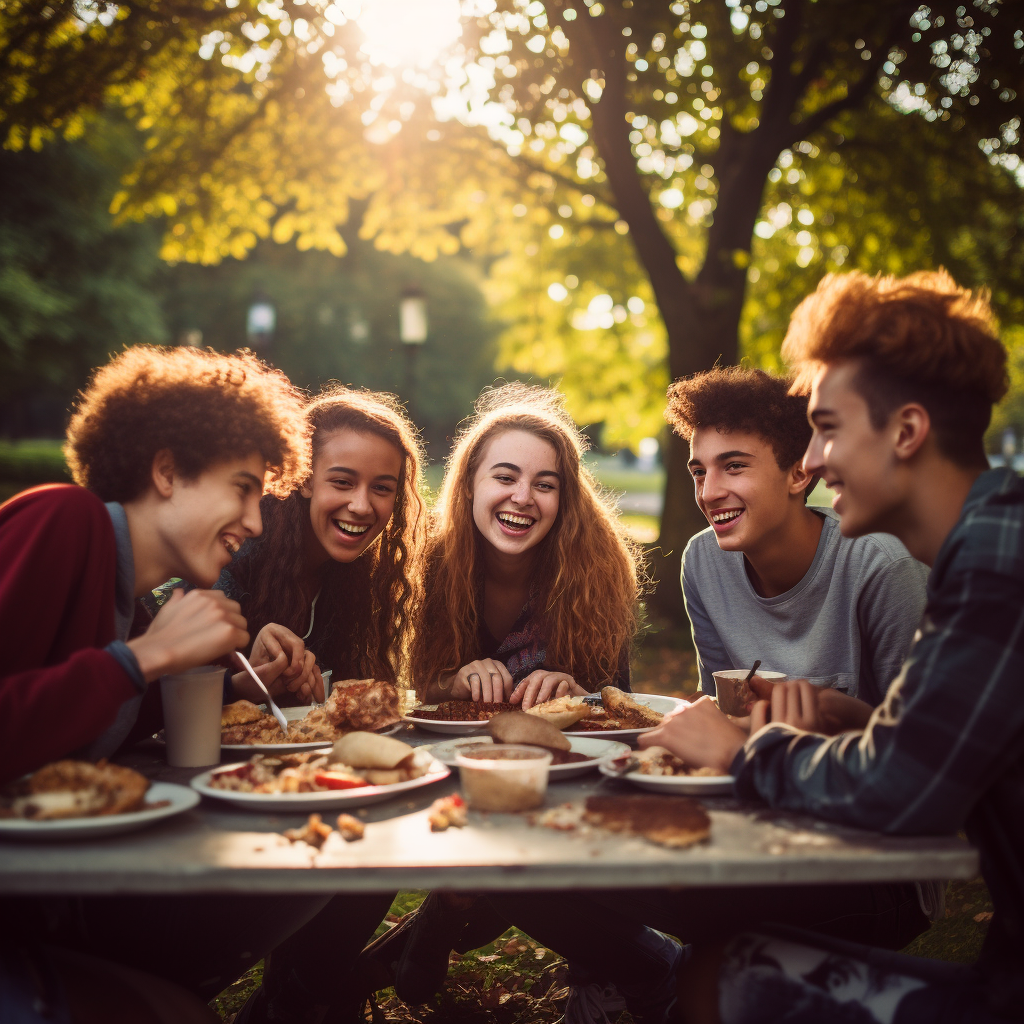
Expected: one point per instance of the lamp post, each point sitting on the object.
(412, 329)
(260, 323)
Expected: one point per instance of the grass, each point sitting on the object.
(515, 980)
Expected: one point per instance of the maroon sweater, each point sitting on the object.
(59, 689)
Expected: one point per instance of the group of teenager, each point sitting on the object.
(299, 530)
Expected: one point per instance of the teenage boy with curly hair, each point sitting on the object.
(170, 450)
(902, 375)
(773, 579)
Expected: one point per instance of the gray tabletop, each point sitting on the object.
(218, 848)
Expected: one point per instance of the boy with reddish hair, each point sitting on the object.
(902, 376)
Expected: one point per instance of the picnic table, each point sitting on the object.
(218, 848)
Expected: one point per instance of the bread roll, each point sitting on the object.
(520, 727)
(368, 750)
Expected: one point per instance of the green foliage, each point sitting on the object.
(73, 288)
(33, 462)
(337, 319)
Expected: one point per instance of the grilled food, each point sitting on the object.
(354, 705)
(464, 710)
(629, 712)
(74, 789)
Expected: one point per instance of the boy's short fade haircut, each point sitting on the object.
(737, 398)
(202, 406)
(920, 338)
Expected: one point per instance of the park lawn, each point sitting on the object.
(515, 980)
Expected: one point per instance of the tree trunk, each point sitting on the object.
(701, 317)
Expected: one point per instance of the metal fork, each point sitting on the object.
(274, 709)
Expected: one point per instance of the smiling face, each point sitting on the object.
(205, 520)
(516, 491)
(352, 491)
(852, 457)
(740, 488)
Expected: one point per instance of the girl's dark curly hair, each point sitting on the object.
(369, 603)
(205, 407)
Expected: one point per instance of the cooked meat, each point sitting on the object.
(239, 713)
(362, 705)
(629, 712)
(465, 711)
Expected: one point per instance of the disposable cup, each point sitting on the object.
(735, 697)
(192, 703)
(507, 777)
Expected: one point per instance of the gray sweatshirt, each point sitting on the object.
(848, 623)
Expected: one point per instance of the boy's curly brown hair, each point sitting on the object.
(203, 406)
(738, 398)
(920, 338)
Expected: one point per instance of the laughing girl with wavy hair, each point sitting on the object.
(334, 578)
(531, 586)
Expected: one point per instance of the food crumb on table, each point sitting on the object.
(314, 832)
(447, 812)
(350, 828)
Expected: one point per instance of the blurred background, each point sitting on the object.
(428, 196)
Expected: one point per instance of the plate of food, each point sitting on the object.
(614, 715)
(355, 705)
(571, 755)
(360, 768)
(81, 800)
(660, 771)
(457, 717)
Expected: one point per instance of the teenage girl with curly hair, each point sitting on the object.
(333, 580)
(531, 584)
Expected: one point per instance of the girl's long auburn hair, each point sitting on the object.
(588, 575)
(370, 602)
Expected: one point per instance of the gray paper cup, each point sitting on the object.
(192, 703)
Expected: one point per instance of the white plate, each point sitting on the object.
(295, 714)
(339, 798)
(690, 785)
(654, 701)
(447, 728)
(180, 798)
(594, 747)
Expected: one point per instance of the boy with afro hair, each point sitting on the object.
(170, 450)
(902, 375)
(772, 578)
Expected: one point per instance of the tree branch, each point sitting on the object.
(857, 93)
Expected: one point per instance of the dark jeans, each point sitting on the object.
(781, 975)
(204, 943)
(600, 932)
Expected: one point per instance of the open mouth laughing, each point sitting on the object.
(723, 519)
(353, 530)
(231, 543)
(514, 522)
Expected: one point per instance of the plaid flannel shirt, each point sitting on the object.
(945, 750)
